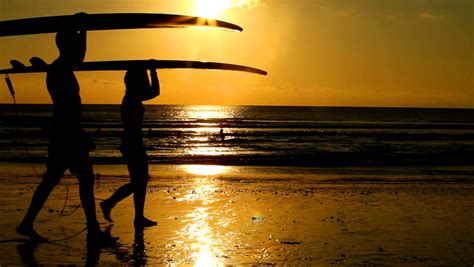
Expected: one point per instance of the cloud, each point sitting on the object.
(429, 16)
(103, 82)
(246, 3)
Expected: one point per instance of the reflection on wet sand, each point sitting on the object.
(209, 220)
(198, 236)
(26, 251)
(139, 252)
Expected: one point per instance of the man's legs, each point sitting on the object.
(85, 175)
(50, 180)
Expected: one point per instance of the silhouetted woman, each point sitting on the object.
(138, 89)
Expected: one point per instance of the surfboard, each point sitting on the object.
(112, 21)
(121, 65)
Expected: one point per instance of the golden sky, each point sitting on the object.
(404, 53)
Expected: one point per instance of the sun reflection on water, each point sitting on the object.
(208, 151)
(210, 112)
(205, 169)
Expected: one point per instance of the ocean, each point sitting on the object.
(260, 135)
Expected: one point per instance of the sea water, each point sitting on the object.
(260, 135)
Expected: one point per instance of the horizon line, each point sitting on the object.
(253, 105)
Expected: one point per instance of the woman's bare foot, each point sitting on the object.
(106, 209)
(144, 222)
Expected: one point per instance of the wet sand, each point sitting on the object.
(207, 219)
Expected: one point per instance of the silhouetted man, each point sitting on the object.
(68, 144)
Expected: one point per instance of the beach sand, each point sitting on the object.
(206, 219)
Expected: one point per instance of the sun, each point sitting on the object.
(211, 8)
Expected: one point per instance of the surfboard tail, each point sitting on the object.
(122, 65)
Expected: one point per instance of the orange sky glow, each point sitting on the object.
(317, 53)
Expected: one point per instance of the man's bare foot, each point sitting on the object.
(31, 233)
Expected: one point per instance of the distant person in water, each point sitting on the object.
(138, 89)
(221, 134)
(68, 146)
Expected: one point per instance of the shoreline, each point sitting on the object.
(419, 174)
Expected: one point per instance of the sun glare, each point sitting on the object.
(205, 169)
(211, 8)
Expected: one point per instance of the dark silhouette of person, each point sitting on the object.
(221, 134)
(68, 146)
(138, 89)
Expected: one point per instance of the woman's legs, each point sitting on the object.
(138, 168)
(139, 176)
(121, 193)
(139, 197)
(137, 163)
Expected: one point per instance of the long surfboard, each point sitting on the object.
(120, 65)
(113, 21)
